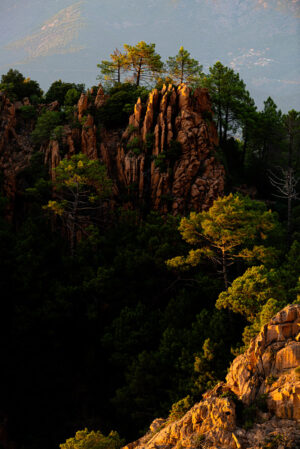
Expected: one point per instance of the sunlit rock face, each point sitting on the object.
(166, 156)
(268, 368)
(164, 160)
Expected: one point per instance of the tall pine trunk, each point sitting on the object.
(139, 71)
(224, 270)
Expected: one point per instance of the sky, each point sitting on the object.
(65, 39)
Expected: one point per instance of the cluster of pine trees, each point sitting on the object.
(142, 316)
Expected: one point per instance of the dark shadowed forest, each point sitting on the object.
(120, 305)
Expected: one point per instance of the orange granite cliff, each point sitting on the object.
(268, 370)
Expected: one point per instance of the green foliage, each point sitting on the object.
(93, 440)
(81, 186)
(131, 129)
(35, 99)
(180, 408)
(232, 224)
(149, 141)
(274, 441)
(17, 86)
(160, 162)
(72, 96)
(231, 101)
(168, 157)
(120, 104)
(112, 70)
(143, 62)
(36, 169)
(45, 125)
(57, 133)
(136, 151)
(28, 112)
(184, 69)
(58, 91)
(133, 143)
(250, 292)
(297, 372)
(261, 292)
(114, 309)
(206, 376)
(249, 412)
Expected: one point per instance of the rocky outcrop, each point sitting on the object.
(167, 155)
(88, 138)
(267, 370)
(100, 97)
(165, 159)
(268, 366)
(15, 149)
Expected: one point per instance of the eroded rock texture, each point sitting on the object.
(15, 149)
(164, 160)
(266, 368)
(166, 156)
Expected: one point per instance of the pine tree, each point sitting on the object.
(229, 96)
(81, 190)
(112, 70)
(184, 69)
(226, 232)
(143, 61)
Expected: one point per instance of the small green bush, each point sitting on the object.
(133, 143)
(136, 151)
(72, 96)
(273, 441)
(120, 104)
(93, 440)
(229, 394)
(57, 133)
(249, 413)
(160, 162)
(28, 112)
(35, 99)
(131, 129)
(46, 123)
(59, 89)
(149, 141)
(179, 408)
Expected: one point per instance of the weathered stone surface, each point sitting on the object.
(213, 423)
(88, 138)
(174, 167)
(82, 105)
(100, 97)
(165, 158)
(15, 150)
(52, 157)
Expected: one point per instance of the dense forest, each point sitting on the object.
(114, 315)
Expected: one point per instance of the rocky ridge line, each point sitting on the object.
(173, 167)
(267, 369)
